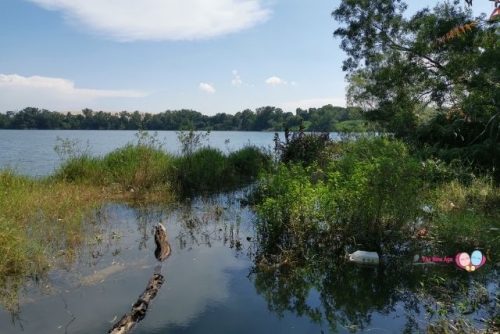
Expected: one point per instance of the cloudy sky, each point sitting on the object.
(152, 55)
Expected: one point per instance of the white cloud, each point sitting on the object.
(17, 92)
(207, 88)
(237, 82)
(276, 81)
(313, 103)
(130, 20)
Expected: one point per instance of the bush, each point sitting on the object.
(369, 195)
(301, 147)
(377, 191)
(209, 170)
(201, 171)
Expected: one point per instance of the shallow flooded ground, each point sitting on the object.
(212, 282)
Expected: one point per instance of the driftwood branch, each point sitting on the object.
(140, 307)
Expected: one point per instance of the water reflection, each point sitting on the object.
(396, 297)
(218, 280)
(91, 293)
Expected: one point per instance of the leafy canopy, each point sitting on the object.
(432, 77)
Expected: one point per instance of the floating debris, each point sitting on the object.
(364, 257)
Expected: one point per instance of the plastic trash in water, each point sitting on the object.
(364, 257)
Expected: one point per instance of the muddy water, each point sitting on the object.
(210, 285)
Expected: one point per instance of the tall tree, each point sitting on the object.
(399, 65)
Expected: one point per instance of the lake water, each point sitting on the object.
(209, 285)
(213, 281)
(31, 152)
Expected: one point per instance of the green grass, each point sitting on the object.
(209, 170)
(467, 217)
(134, 167)
(42, 218)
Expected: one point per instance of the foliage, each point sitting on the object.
(262, 119)
(371, 189)
(399, 65)
(301, 147)
(208, 170)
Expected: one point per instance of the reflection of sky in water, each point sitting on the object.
(194, 280)
(196, 276)
(207, 285)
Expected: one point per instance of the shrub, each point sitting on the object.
(369, 195)
(301, 147)
(246, 163)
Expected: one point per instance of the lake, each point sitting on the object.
(31, 152)
(213, 280)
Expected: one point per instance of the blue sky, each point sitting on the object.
(153, 55)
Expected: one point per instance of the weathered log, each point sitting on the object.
(140, 307)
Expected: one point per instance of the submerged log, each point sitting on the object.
(140, 307)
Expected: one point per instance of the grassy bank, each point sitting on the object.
(42, 219)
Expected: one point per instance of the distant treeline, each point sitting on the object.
(326, 118)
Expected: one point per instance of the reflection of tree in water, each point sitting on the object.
(348, 295)
(147, 217)
(210, 221)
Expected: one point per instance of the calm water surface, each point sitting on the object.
(209, 284)
(31, 152)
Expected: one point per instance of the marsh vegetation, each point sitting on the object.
(315, 200)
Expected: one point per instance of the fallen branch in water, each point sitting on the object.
(140, 307)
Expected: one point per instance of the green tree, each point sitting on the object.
(399, 65)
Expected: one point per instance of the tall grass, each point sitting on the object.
(42, 218)
(37, 220)
(133, 168)
(209, 170)
(467, 216)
